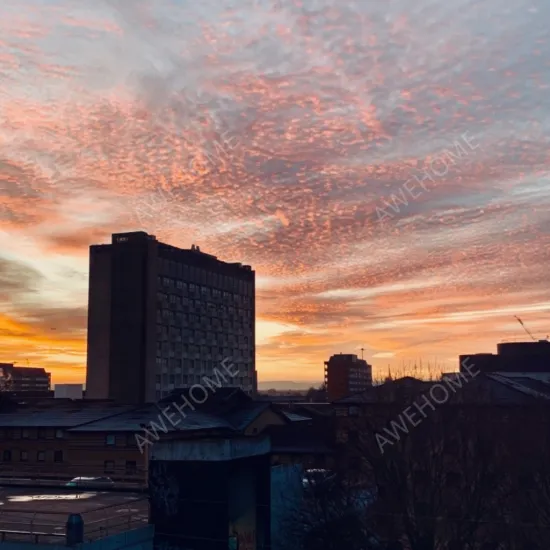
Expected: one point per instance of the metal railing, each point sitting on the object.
(65, 470)
(49, 475)
(32, 526)
(42, 526)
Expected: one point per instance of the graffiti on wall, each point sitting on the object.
(163, 489)
(247, 540)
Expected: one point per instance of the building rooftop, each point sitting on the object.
(195, 251)
(228, 409)
(67, 415)
(46, 511)
(531, 384)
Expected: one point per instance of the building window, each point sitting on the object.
(110, 439)
(109, 467)
(41, 456)
(131, 467)
(59, 434)
(58, 456)
(24, 456)
(130, 440)
(25, 434)
(6, 456)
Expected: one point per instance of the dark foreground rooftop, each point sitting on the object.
(41, 515)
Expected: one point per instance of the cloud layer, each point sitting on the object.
(383, 166)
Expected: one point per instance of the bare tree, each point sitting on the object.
(330, 515)
(526, 525)
(437, 481)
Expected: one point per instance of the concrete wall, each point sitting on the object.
(286, 503)
(136, 539)
(211, 450)
(203, 494)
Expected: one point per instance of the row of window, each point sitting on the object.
(196, 291)
(210, 329)
(7, 456)
(27, 433)
(180, 321)
(237, 361)
(190, 379)
(178, 357)
(195, 306)
(174, 349)
(108, 465)
(24, 433)
(201, 316)
(176, 270)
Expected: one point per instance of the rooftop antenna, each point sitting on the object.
(362, 350)
(525, 328)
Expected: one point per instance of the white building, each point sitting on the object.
(68, 391)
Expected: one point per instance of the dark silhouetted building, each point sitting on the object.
(511, 357)
(25, 379)
(346, 375)
(162, 318)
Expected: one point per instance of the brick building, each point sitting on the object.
(61, 440)
(346, 375)
(38, 441)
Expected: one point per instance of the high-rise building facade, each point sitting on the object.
(162, 318)
(346, 374)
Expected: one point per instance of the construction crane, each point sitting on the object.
(525, 328)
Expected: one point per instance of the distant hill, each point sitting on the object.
(287, 385)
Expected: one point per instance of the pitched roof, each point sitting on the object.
(530, 384)
(59, 417)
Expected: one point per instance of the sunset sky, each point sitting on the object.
(279, 133)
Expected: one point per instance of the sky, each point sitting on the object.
(383, 166)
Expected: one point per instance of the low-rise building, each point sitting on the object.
(37, 441)
(63, 439)
(24, 379)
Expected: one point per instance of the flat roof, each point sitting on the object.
(46, 511)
